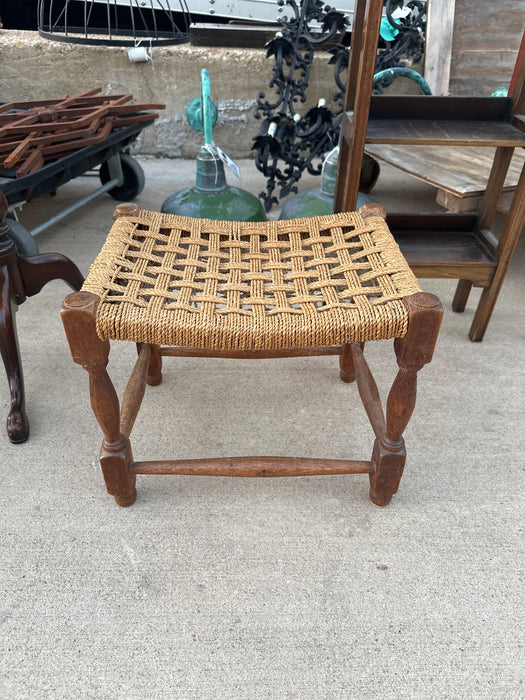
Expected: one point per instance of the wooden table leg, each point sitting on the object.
(11, 296)
(17, 423)
(21, 277)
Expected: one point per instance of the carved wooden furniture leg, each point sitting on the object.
(21, 277)
(79, 319)
(412, 352)
(38, 270)
(17, 423)
(11, 296)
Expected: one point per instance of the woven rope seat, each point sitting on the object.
(172, 280)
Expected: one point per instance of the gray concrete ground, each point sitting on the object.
(239, 589)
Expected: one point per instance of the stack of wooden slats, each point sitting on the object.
(35, 132)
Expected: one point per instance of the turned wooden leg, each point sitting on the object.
(17, 422)
(155, 366)
(346, 364)
(79, 319)
(461, 296)
(412, 352)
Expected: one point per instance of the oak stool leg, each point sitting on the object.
(346, 364)
(155, 366)
(154, 376)
(79, 319)
(413, 352)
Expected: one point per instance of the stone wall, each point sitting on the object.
(485, 43)
(36, 68)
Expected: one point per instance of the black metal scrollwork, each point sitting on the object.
(286, 136)
(410, 42)
(290, 143)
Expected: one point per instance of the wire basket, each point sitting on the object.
(114, 22)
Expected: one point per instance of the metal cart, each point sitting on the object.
(120, 176)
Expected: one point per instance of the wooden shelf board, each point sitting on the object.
(461, 170)
(446, 254)
(442, 132)
(460, 173)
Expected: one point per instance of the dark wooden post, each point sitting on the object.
(357, 102)
(155, 366)
(12, 294)
(413, 352)
(507, 245)
(22, 277)
(346, 364)
(17, 423)
(79, 319)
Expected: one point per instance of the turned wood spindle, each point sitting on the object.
(412, 352)
(79, 319)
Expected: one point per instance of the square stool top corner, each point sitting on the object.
(173, 280)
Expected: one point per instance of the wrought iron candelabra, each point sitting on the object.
(290, 143)
(299, 141)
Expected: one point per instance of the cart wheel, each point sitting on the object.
(134, 179)
(22, 238)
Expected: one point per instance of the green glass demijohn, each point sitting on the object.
(320, 201)
(211, 197)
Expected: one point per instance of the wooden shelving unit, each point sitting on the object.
(456, 246)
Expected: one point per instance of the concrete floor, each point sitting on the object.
(268, 589)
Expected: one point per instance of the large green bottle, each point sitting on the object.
(211, 197)
(320, 201)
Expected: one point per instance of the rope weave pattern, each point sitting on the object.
(223, 285)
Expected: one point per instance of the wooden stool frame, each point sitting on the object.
(385, 467)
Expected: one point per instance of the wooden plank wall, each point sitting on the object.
(487, 36)
(438, 49)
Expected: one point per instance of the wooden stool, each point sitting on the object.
(193, 287)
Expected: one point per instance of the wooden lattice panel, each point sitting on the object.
(34, 132)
